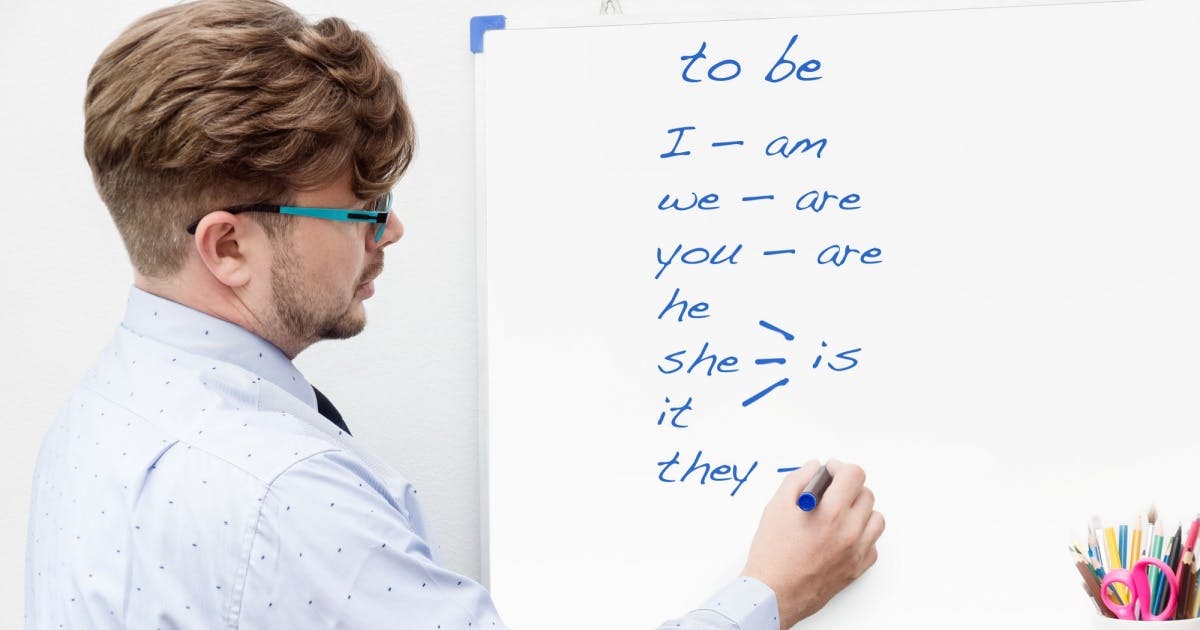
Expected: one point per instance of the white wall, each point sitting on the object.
(408, 385)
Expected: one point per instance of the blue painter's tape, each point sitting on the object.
(481, 24)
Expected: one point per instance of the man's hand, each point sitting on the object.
(808, 557)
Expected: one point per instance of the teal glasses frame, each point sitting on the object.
(378, 213)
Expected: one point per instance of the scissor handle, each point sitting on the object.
(1137, 581)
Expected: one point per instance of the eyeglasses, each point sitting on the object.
(378, 213)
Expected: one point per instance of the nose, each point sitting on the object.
(391, 233)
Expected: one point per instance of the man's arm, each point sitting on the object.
(333, 548)
(330, 550)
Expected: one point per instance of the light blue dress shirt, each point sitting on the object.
(189, 482)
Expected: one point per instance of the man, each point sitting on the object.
(195, 479)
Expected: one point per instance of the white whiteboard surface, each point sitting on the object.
(1024, 347)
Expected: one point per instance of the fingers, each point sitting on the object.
(873, 530)
(848, 481)
(868, 561)
(862, 507)
(845, 491)
(870, 536)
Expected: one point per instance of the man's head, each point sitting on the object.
(218, 103)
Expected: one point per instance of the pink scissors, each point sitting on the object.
(1137, 582)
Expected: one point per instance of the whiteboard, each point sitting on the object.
(1008, 346)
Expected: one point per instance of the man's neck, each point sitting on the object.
(220, 301)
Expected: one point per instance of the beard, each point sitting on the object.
(305, 313)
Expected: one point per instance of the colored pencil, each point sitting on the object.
(1110, 543)
(1194, 608)
(1135, 546)
(1185, 586)
(1168, 558)
(1092, 585)
(1193, 531)
(1097, 557)
(1123, 545)
(1155, 552)
(1094, 547)
(1173, 553)
(1183, 570)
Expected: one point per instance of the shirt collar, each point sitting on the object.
(199, 333)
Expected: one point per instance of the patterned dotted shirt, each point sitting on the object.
(189, 482)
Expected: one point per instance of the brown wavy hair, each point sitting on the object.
(214, 103)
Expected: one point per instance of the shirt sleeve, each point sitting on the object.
(333, 549)
(744, 604)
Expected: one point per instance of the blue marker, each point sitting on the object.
(816, 489)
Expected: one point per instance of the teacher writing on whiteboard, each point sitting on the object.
(195, 478)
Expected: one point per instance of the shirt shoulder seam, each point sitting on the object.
(243, 570)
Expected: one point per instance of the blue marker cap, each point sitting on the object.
(815, 490)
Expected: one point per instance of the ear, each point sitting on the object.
(227, 245)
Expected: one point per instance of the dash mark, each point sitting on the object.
(786, 335)
(753, 399)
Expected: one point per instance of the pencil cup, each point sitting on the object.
(1106, 623)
